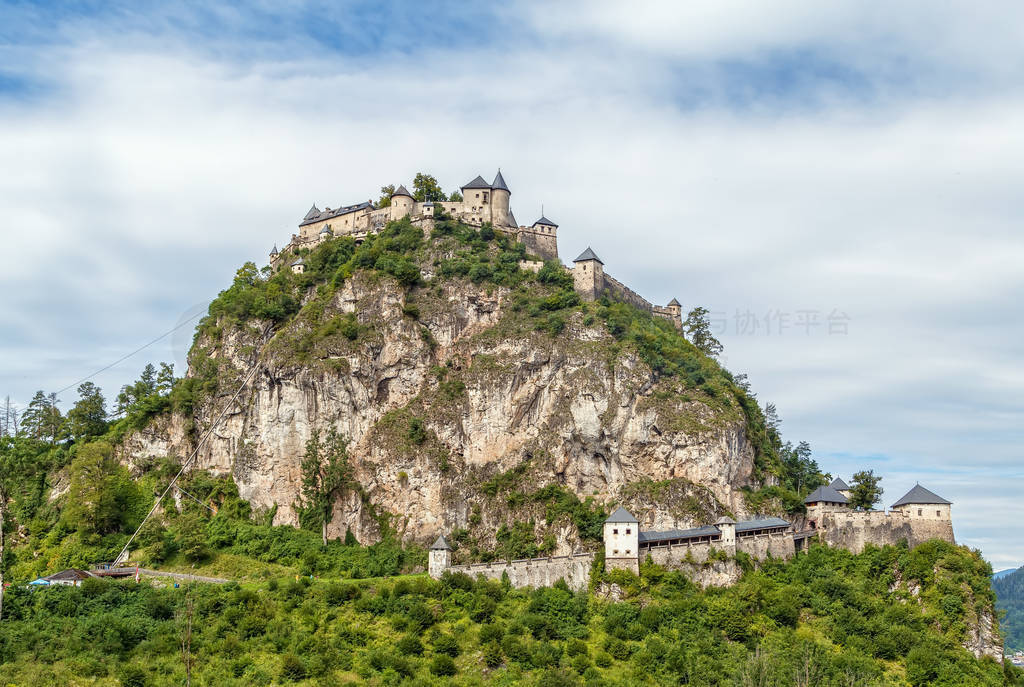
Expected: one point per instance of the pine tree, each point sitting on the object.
(698, 329)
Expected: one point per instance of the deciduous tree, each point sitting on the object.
(325, 471)
(426, 189)
(865, 492)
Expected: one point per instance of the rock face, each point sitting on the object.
(443, 388)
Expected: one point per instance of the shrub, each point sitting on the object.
(292, 668)
(443, 666)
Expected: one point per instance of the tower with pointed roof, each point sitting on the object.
(440, 557)
(588, 275)
(402, 203)
(923, 503)
(622, 541)
(500, 197)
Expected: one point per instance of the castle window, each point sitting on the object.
(627, 550)
(938, 513)
(615, 551)
(485, 196)
(628, 531)
(615, 531)
(919, 511)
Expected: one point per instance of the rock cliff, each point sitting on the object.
(458, 410)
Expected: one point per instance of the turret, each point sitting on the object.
(299, 266)
(821, 500)
(401, 203)
(676, 308)
(274, 253)
(587, 274)
(727, 526)
(476, 198)
(622, 541)
(326, 233)
(500, 196)
(440, 557)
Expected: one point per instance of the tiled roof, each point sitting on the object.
(310, 217)
(825, 494)
(545, 221)
(839, 484)
(499, 183)
(674, 302)
(441, 544)
(666, 535)
(761, 524)
(920, 495)
(477, 183)
(401, 191)
(621, 515)
(588, 254)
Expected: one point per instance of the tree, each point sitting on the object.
(325, 470)
(698, 329)
(94, 502)
(42, 419)
(426, 189)
(455, 197)
(88, 417)
(865, 492)
(385, 196)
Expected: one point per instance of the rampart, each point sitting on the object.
(619, 291)
(536, 572)
(853, 529)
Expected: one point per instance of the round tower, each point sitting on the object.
(401, 203)
(500, 196)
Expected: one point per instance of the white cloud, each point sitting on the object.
(134, 190)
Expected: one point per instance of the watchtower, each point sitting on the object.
(727, 526)
(500, 196)
(622, 541)
(588, 275)
(401, 203)
(440, 557)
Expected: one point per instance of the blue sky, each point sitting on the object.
(836, 182)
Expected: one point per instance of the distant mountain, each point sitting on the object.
(1003, 573)
(1009, 588)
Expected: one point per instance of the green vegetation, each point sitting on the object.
(1009, 591)
(826, 618)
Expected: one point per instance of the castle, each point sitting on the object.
(710, 554)
(482, 203)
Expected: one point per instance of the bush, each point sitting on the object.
(292, 668)
(443, 666)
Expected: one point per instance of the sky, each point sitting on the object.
(837, 182)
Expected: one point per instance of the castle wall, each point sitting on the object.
(619, 291)
(542, 242)
(761, 546)
(853, 529)
(536, 572)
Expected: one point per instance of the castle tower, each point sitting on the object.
(677, 309)
(842, 487)
(326, 233)
(440, 557)
(476, 199)
(727, 526)
(588, 275)
(922, 503)
(823, 500)
(401, 203)
(299, 266)
(273, 254)
(622, 541)
(500, 196)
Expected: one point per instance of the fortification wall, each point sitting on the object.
(536, 572)
(619, 291)
(853, 529)
(760, 546)
(543, 244)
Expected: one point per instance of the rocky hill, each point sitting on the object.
(476, 397)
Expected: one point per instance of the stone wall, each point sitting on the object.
(760, 546)
(619, 291)
(541, 242)
(536, 572)
(853, 529)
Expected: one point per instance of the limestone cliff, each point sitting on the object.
(458, 409)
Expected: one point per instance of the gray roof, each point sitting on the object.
(313, 213)
(326, 229)
(621, 515)
(545, 221)
(69, 574)
(920, 495)
(674, 302)
(588, 254)
(401, 191)
(499, 183)
(273, 251)
(725, 520)
(666, 535)
(310, 217)
(477, 183)
(839, 484)
(827, 494)
(300, 261)
(512, 218)
(761, 524)
(440, 545)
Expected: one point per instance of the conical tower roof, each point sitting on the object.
(621, 515)
(499, 183)
(401, 191)
(674, 302)
(588, 254)
(545, 221)
(725, 520)
(838, 484)
(441, 544)
(273, 251)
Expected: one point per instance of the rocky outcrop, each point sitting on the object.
(441, 389)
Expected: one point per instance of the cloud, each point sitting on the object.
(844, 159)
